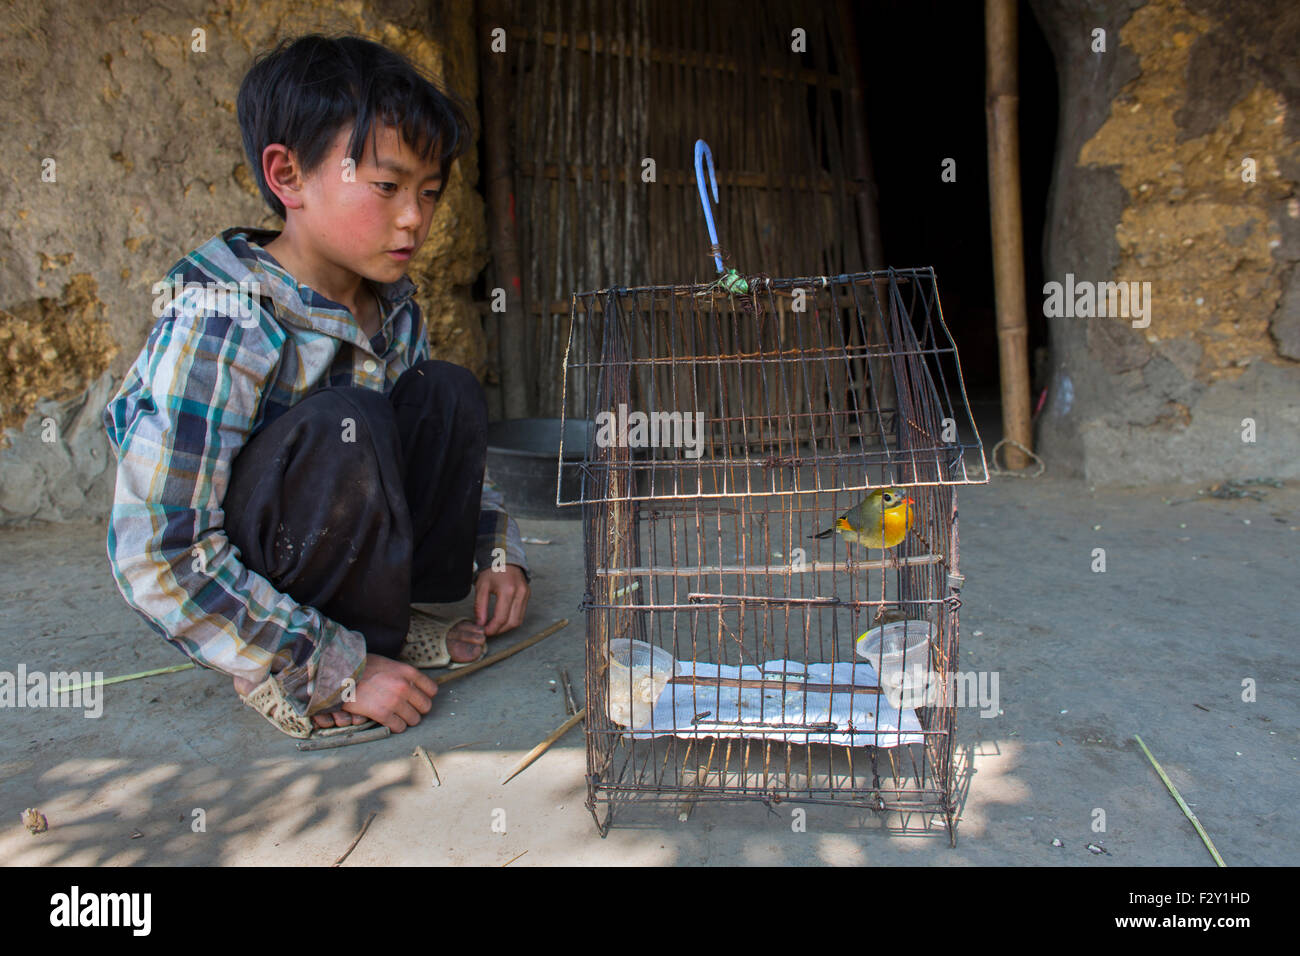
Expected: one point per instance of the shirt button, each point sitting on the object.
(370, 366)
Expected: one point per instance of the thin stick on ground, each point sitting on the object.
(346, 737)
(421, 752)
(570, 705)
(1205, 837)
(500, 655)
(513, 858)
(364, 827)
(541, 748)
(125, 677)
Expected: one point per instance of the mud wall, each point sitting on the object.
(121, 152)
(1177, 166)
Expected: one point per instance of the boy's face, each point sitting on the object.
(373, 219)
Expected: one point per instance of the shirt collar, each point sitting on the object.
(302, 302)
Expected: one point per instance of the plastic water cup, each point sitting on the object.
(638, 673)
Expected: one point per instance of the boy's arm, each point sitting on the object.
(202, 381)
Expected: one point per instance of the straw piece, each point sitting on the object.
(570, 705)
(421, 752)
(513, 858)
(125, 677)
(353, 845)
(541, 748)
(500, 655)
(1205, 837)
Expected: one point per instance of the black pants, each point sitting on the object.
(358, 503)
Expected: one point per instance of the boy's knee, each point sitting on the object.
(445, 383)
(348, 416)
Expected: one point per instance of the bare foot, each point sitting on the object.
(465, 642)
(340, 718)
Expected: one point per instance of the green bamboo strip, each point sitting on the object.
(1205, 837)
(125, 677)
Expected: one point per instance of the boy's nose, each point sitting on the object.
(409, 216)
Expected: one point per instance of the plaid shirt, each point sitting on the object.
(214, 370)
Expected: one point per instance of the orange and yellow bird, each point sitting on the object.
(881, 520)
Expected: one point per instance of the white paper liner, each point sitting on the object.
(862, 720)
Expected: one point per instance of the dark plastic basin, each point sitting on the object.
(521, 458)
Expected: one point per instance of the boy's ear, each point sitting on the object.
(283, 175)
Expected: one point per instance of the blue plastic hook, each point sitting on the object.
(702, 152)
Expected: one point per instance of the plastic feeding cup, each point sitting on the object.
(638, 673)
(900, 653)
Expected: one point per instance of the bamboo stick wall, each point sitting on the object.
(601, 86)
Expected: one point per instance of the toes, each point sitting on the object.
(463, 651)
(466, 631)
(465, 642)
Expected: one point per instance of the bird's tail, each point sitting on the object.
(825, 534)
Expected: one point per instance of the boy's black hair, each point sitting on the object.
(302, 92)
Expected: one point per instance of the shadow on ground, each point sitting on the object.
(1193, 602)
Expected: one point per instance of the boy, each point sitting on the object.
(293, 470)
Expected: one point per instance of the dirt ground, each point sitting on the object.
(1197, 597)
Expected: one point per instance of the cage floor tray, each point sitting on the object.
(794, 715)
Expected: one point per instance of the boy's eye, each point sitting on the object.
(392, 187)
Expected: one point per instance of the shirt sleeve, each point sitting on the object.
(496, 529)
(195, 394)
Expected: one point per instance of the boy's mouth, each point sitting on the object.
(402, 254)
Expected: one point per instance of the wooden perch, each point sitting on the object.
(772, 569)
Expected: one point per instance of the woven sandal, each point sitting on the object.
(426, 641)
(268, 699)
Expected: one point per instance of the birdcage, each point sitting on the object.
(731, 653)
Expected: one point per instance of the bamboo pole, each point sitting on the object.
(511, 352)
(1001, 115)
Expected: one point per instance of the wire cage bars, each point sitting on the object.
(731, 653)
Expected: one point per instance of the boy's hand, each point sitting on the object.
(395, 694)
(511, 590)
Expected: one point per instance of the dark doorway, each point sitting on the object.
(923, 72)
